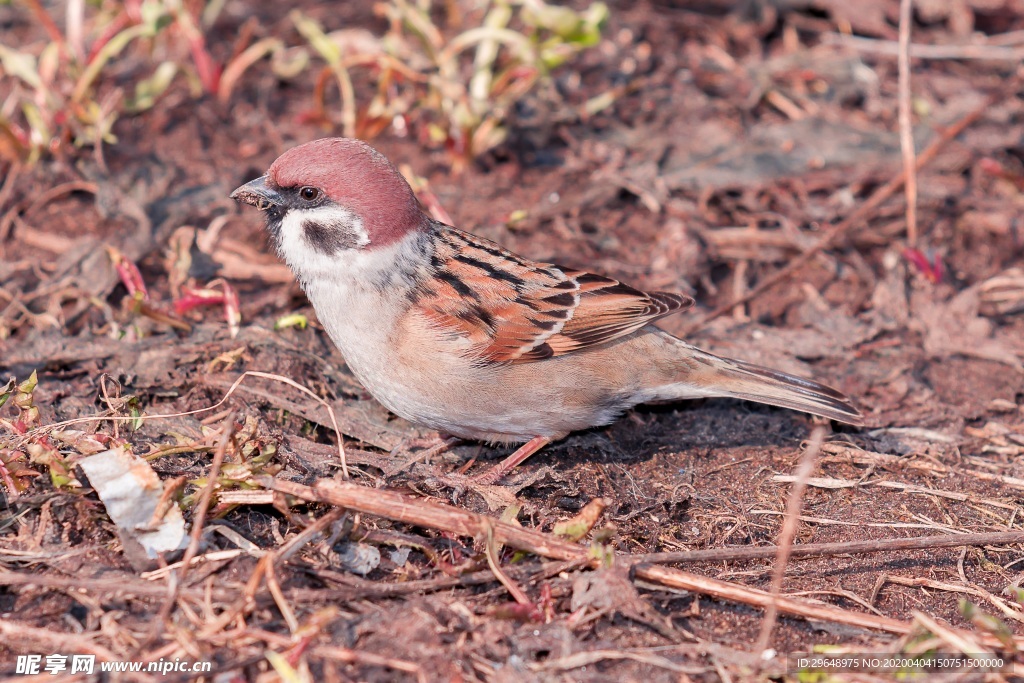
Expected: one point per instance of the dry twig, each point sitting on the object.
(15, 634)
(967, 589)
(884, 545)
(905, 122)
(491, 553)
(808, 459)
(344, 654)
(988, 51)
(404, 508)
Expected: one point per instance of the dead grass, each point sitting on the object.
(749, 161)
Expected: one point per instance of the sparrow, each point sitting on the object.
(451, 331)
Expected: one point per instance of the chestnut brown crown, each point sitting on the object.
(356, 176)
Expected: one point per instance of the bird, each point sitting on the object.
(455, 333)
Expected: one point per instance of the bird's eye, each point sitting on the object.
(309, 193)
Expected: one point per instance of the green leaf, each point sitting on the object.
(294, 320)
(1015, 592)
(154, 15)
(7, 391)
(36, 123)
(289, 63)
(29, 385)
(149, 89)
(20, 65)
(318, 40)
(113, 48)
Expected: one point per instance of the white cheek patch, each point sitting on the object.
(329, 280)
(313, 239)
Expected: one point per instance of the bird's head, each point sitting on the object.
(330, 198)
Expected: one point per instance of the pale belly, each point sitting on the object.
(440, 390)
(431, 383)
(501, 404)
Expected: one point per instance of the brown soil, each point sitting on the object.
(740, 136)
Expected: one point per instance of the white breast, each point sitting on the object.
(360, 299)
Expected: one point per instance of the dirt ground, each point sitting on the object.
(739, 134)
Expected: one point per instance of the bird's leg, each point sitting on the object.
(495, 474)
(435, 446)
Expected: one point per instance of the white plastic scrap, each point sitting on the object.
(131, 490)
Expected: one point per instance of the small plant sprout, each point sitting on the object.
(216, 293)
(455, 92)
(61, 93)
(292, 320)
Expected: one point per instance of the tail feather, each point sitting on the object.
(739, 379)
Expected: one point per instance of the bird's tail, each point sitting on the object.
(712, 375)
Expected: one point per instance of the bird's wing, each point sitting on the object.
(512, 310)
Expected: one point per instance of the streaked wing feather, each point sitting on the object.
(512, 310)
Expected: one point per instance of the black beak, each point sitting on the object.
(259, 194)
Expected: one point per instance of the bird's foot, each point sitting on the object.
(486, 484)
(495, 474)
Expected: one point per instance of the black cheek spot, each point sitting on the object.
(328, 238)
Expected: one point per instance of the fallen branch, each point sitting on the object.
(977, 592)
(123, 585)
(884, 545)
(673, 578)
(585, 659)
(21, 637)
(403, 508)
(349, 656)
